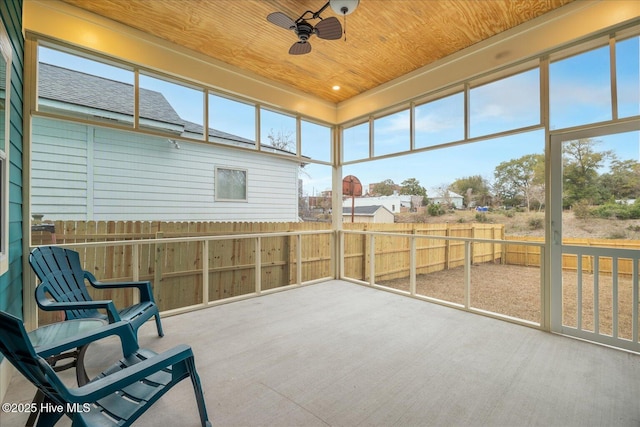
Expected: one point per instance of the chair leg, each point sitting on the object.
(159, 325)
(197, 388)
(49, 419)
(37, 401)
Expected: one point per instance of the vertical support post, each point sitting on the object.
(616, 308)
(544, 305)
(135, 267)
(412, 265)
(258, 265)
(596, 295)
(205, 272)
(157, 267)
(340, 274)
(579, 292)
(299, 260)
(467, 274)
(634, 299)
(372, 260)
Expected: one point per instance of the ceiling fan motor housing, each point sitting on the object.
(304, 30)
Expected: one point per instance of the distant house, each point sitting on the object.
(377, 214)
(395, 203)
(87, 172)
(445, 197)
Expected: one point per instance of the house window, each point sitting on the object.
(230, 184)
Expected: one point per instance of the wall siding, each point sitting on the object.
(89, 173)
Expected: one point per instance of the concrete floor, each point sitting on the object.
(341, 354)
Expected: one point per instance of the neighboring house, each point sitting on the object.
(85, 172)
(395, 203)
(377, 214)
(445, 197)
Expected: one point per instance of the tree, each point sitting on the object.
(622, 181)
(520, 180)
(411, 186)
(581, 162)
(474, 189)
(384, 188)
(282, 139)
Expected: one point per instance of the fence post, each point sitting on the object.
(258, 268)
(205, 272)
(473, 236)
(135, 266)
(412, 264)
(372, 260)
(157, 266)
(365, 252)
(299, 259)
(468, 250)
(447, 247)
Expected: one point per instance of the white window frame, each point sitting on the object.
(218, 183)
(6, 52)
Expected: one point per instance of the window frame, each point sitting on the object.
(217, 183)
(6, 52)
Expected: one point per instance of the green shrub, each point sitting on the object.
(581, 210)
(435, 209)
(615, 211)
(482, 217)
(618, 234)
(536, 223)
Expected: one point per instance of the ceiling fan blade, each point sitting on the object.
(329, 28)
(300, 48)
(281, 20)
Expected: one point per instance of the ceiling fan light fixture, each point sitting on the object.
(343, 7)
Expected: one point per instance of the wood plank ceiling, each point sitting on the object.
(385, 39)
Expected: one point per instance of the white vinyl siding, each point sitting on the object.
(128, 176)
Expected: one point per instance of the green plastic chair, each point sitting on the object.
(116, 397)
(60, 271)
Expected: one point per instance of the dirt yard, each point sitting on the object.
(515, 291)
(526, 224)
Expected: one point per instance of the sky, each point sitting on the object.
(580, 93)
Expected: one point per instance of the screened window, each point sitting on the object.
(356, 142)
(440, 121)
(580, 89)
(509, 103)
(628, 77)
(231, 184)
(277, 131)
(171, 107)
(391, 133)
(231, 122)
(316, 141)
(107, 91)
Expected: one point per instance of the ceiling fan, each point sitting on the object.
(328, 28)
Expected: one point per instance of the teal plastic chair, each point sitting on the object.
(60, 271)
(116, 397)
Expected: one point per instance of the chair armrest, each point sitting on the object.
(49, 305)
(143, 286)
(105, 386)
(122, 329)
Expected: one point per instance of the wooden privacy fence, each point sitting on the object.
(175, 268)
(530, 255)
(392, 253)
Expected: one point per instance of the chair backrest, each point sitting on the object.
(17, 348)
(62, 270)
